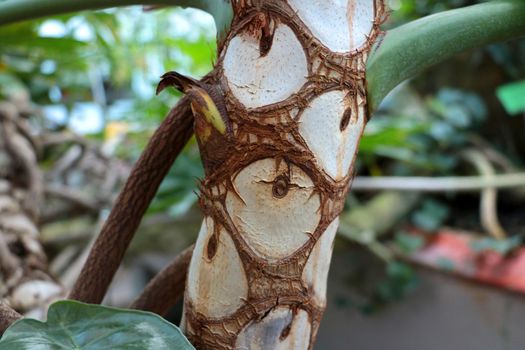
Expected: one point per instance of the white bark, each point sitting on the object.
(256, 336)
(320, 126)
(258, 81)
(273, 227)
(210, 292)
(341, 25)
(315, 273)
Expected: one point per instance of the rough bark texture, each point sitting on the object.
(7, 317)
(290, 85)
(140, 188)
(25, 282)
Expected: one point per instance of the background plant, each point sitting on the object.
(115, 73)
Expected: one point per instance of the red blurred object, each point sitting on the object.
(451, 251)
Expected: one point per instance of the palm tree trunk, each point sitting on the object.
(290, 80)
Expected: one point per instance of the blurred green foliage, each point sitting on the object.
(422, 129)
(407, 10)
(94, 68)
(90, 70)
(503, 246)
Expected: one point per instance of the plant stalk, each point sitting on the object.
(409, 49)
(110, 246)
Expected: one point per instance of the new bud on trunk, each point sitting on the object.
(212, 126)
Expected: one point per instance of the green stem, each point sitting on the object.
(19, 10)
(411, 48)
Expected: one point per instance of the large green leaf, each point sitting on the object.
(411, 48)
(512, 96)
(78, 326)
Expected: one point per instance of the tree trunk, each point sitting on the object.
(289, 85)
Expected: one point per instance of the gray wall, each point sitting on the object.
(444, 312)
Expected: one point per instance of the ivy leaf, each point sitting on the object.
(511, 96)
(431, 215)
(78, 326)
(408, 243)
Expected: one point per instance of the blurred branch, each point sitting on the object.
(167, 287)
(438, 184)
(138, 192)
(23, 154)
(53, 138)
(491, 153)
(489, 195)
(411, 48)
(9, 264)
(19, 10)
(24, 275)
(73, 196)
(7, 317)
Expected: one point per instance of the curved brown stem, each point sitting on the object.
(7, 317)
(167, 287)
(138, 192)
